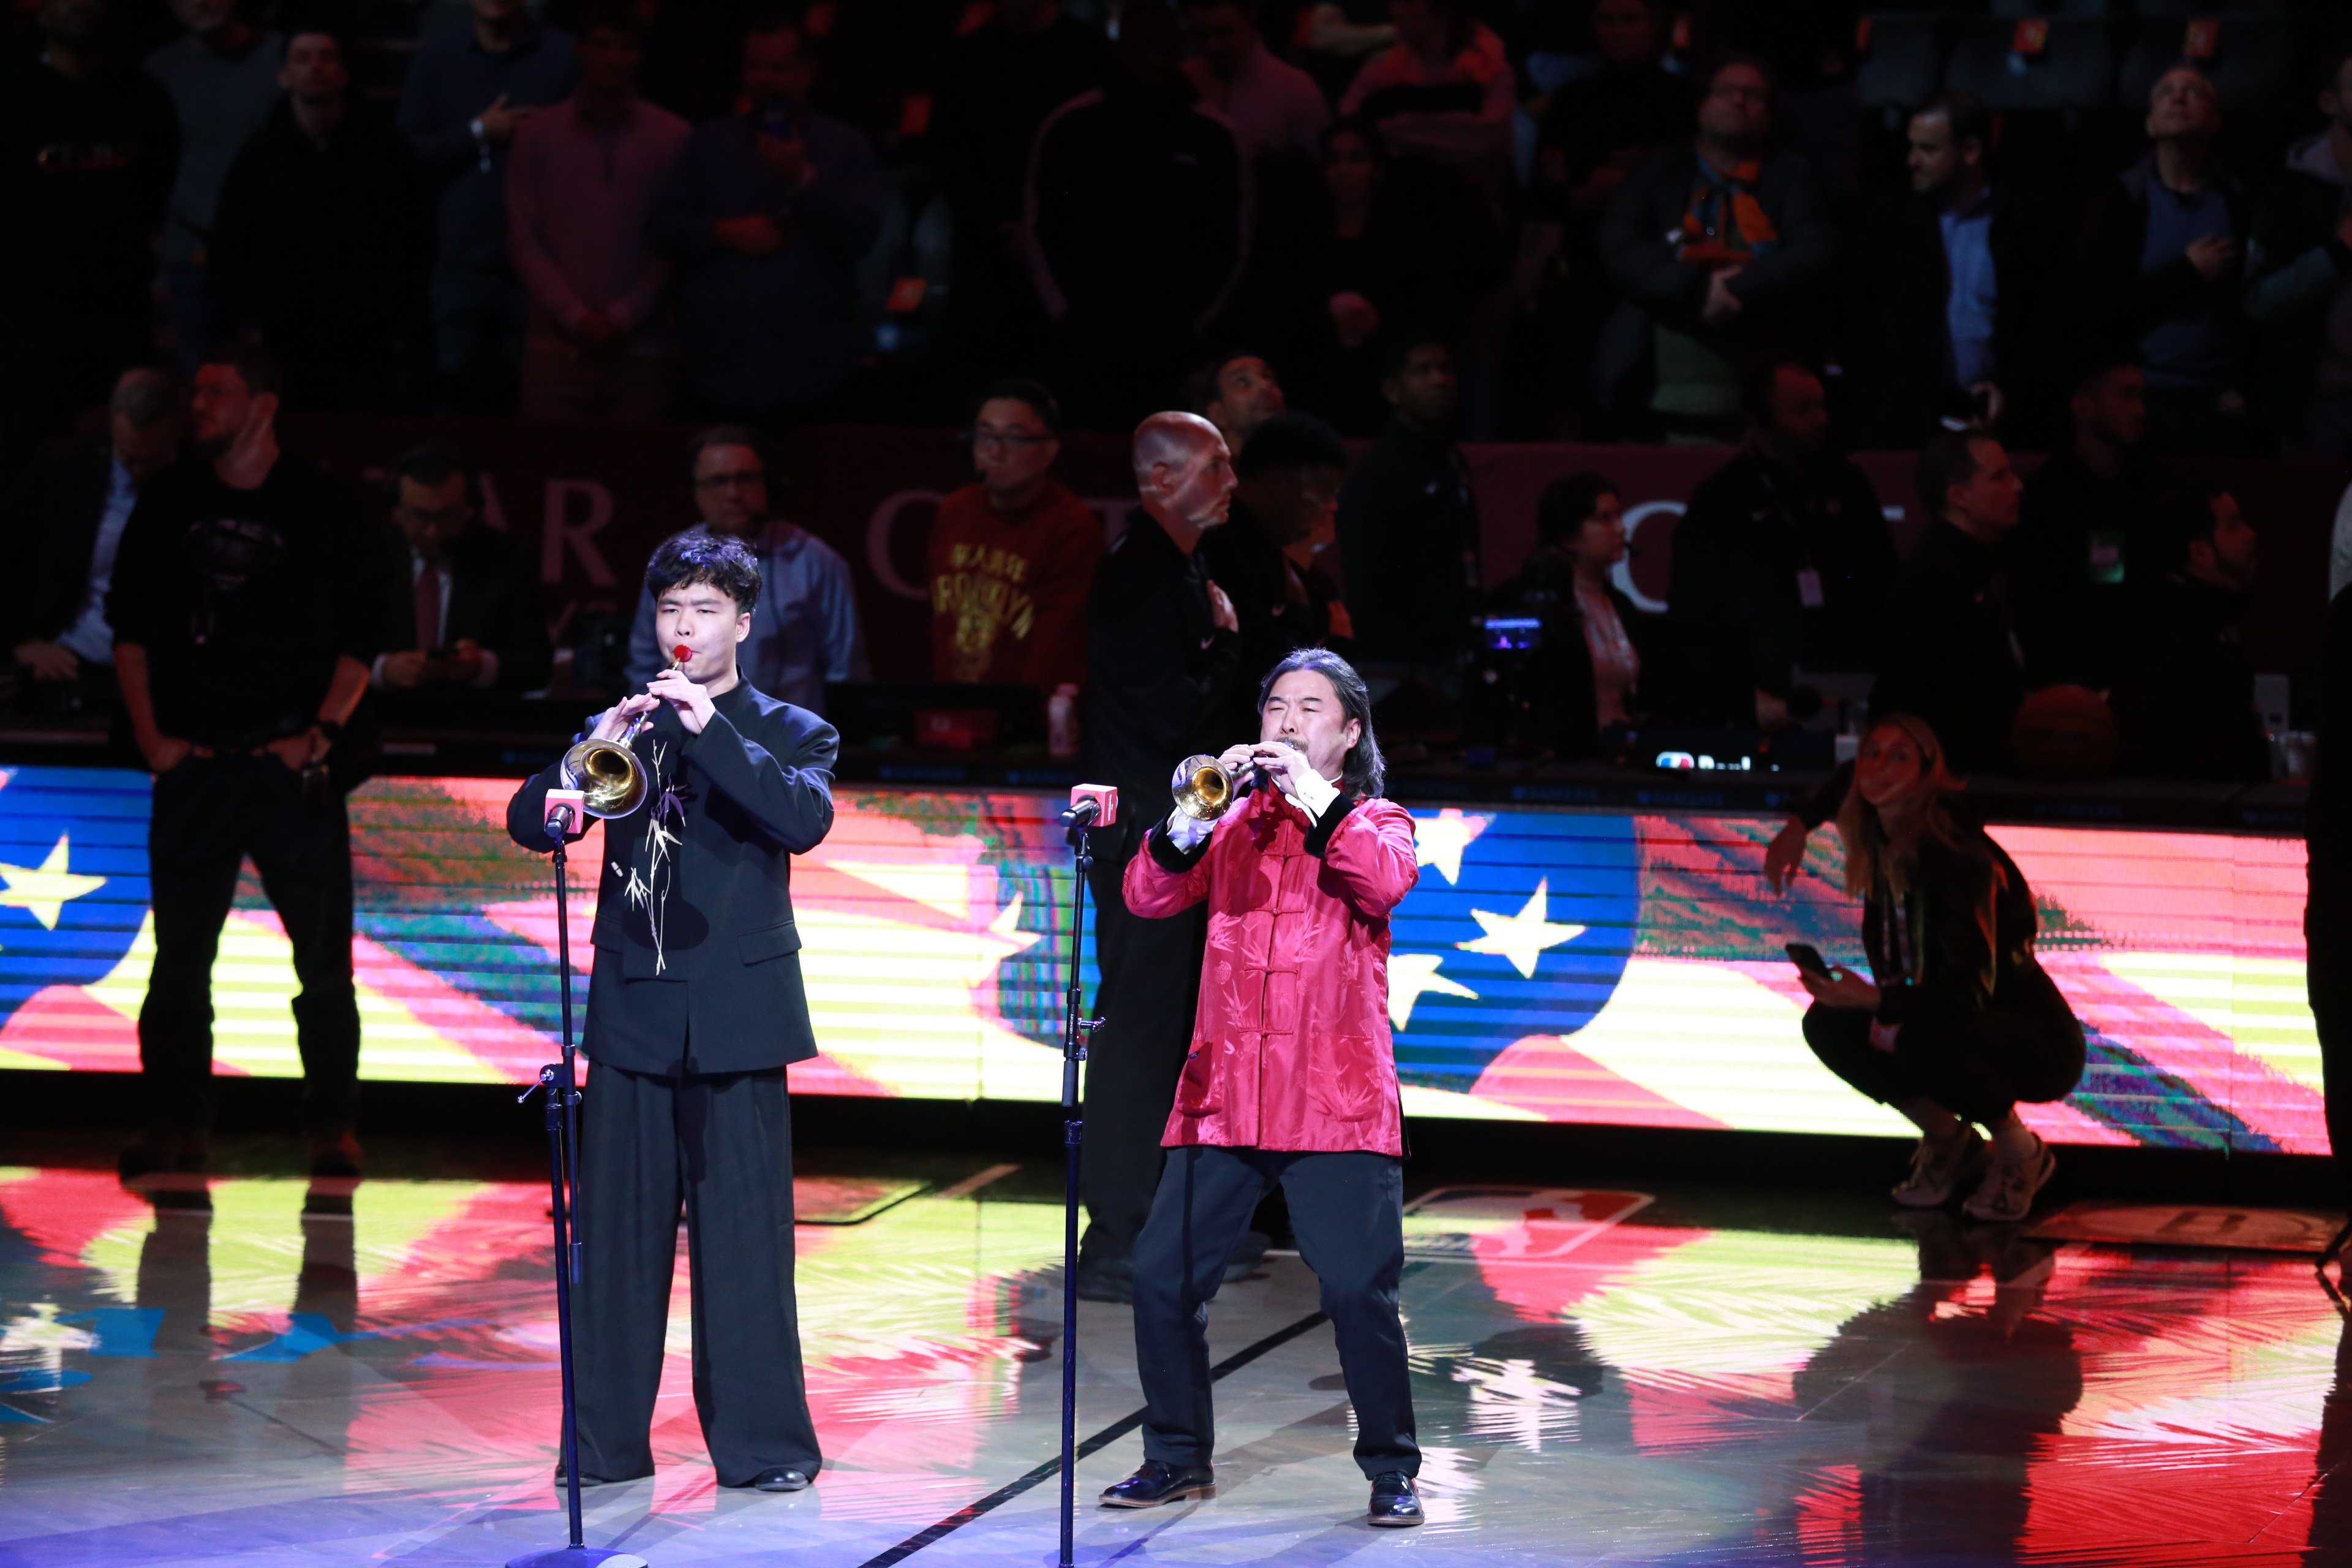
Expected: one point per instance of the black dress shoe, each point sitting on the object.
(778, 1479)
(1160, 1482)
(1395, 1505)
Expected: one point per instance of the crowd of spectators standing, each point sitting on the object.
(1402, 224)
(778, 213)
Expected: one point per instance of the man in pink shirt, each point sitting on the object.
(1274, 107)
(584, 176)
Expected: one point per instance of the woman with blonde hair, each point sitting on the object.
(1958, 1022)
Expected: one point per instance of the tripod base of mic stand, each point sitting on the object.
(577, 1557)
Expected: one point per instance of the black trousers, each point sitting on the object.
(2327, 937)
(1348, 1210)
(720, 1148)
(209, 814)
(1977, 1067)
(1151, 985)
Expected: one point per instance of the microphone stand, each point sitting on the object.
(1077, 1028)
(561, 1081)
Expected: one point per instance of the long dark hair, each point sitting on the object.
(1363, 770)
(1568, 504)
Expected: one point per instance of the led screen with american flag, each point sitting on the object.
(1588, 966)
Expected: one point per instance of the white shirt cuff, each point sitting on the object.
(1188, 832)
(1313, 792)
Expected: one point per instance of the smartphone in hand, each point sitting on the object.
(1808, 957)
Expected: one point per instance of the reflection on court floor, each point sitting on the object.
(276, 1372)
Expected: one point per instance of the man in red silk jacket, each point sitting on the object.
(1291, 1076)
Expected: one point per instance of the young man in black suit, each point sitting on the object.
(694, 1011)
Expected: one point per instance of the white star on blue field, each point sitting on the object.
(73, 876)
(1521, 925)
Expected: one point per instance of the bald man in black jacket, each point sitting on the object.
(695, 1009)
(1162, 647)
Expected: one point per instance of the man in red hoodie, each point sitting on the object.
(1291, 1076)
(1012, 557)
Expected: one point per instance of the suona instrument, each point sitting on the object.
(1207, 791)
(611, 779)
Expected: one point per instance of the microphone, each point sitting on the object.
(564, 809)
(1092, 805)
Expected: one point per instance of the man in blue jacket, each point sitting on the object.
(695, 1009)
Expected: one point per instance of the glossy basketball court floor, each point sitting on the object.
(274, 1372)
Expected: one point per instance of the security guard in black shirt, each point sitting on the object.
(1162, 647)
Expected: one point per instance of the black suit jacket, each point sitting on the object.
(48, 530)
(2072, 624)
(1409, 547)
(1750, 527)
(493, 598)
(1952, 654)
(2184, 689)
(1897, 344)
(698, 967)
(1158, 666)
(2327, 818)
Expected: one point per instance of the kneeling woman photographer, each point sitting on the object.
(1958, 1021)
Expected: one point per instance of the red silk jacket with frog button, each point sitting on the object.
(1290, 1046)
